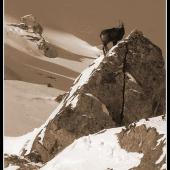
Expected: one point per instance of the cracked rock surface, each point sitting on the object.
(123, 87)
(144, 94)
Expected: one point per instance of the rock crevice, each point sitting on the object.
(124, 84)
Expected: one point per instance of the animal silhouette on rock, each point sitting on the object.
(112, 35)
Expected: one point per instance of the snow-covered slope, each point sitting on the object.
(74, 54)
(15, 145)
(23, 103)
(71, 43)
(99, 151)
(12, 168)
(102, 151)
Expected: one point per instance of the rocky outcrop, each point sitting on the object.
(144, 75)
(146, 140)
(123, 87)
(48, 49)
(31, 23)
(28, 22)
(21, 162)
(60, 97)
(33, 32)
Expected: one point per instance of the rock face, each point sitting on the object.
(123, 87)
(144, 140)
(144, 88)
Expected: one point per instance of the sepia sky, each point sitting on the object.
(87, 18)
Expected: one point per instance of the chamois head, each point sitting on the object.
(121, 24)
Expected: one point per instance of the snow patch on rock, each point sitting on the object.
(98, 151)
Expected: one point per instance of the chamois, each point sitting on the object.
(112, 35)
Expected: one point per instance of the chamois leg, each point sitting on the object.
(104, 50)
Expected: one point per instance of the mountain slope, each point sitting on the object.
(27, 63)
(141, 145)
(31, 58)
(107, 150)
(27, 106)
(115, 90)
